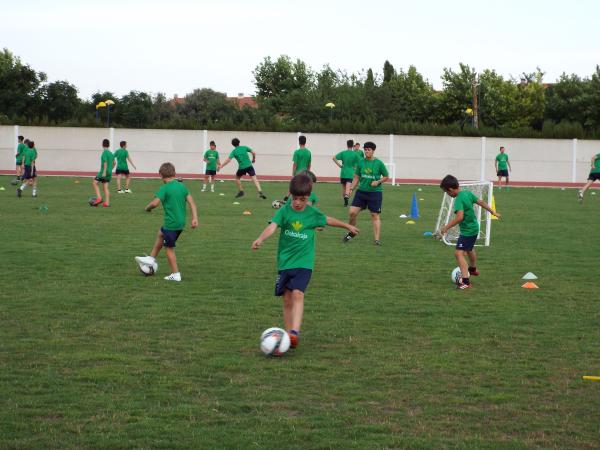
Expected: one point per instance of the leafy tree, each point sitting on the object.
(135, 110)
(18, 86)
(207, 106)
(59, 101)
(457, 94)
(388, 72)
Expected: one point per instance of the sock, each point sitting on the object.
(204, 186)
(295, 332)
(23, 186)
(34, 191)
(466, 281)
(472, 268)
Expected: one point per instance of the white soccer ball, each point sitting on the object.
(456, 276)
(277, 204)
(148, 269)
(274, 341)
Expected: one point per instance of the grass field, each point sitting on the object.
(93, 355)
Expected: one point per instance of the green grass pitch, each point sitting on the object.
(94, 355)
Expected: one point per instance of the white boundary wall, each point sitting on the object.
(415, 157)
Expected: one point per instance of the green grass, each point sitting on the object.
(94, 355)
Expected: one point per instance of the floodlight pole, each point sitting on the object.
(475, 90)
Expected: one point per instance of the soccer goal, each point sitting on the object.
(483, 190)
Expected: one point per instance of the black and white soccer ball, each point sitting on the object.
(274, 341)
(148, 269)
(276, 204)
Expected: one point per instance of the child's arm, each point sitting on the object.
(131, 162)
(487, 207)
(192, 204)
(153, 204)
(267, 232)
(509, 168)
(354, 182)
(227, 161)
(458, 219)
(380, 181)
(253, 156)
(294, 166)
(105, 168)
(333, 222)
(336, 162)
(218, 164)
(593, 161)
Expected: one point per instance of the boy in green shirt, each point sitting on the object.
(21, 146)
(28, 169)
(240, 153)
(593, 176)
(122, 156)
(349, 160)
(296, 250)
(302, 160)
(502, 167)
(173, 195)
(212, 161)
(107, 162)
(370, 175)
(469, 227)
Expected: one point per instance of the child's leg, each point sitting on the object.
(353, 215)
(172, 259)
(462, 263)
(205, 182)
(127, 181)
(293, 309)
(106, 193)
(586, 186)
(238, 181)
(256, 183)
(157, 244)
(288, 305)
(376, 219)
(499, 181)
(118, 182)
(472, 258)
(96, 189)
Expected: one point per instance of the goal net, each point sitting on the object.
(484, 191)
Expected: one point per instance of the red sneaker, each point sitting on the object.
(294, 338)
(464, 286)
(97, 202)
(105, 205)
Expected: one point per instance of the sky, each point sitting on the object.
(176, 46)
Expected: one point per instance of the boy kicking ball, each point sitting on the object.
(173, 195)
(469, 227)
(296, 250)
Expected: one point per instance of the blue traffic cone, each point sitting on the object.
(414, 209)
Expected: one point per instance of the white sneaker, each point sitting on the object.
(212, 189)
(174, 277)
(120, 191)
(128, 191)
(202, 190)
(146, 260)
(579, 195)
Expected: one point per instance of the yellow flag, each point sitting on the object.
(494, 207)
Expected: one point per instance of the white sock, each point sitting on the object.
(23, 186)
(204, 186)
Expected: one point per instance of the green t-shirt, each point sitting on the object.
(302, 158)
(369, 171)
(108, 158)
(173, 197)
(464, 202)
(360, 154)
(211, 156)
(596, 168)
(20, 152)
(121, 156)
(349, 159)
(296, 248)
(502, 159)
(29, 155)
(241, 155)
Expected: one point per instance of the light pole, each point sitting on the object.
(330, 106)
(109, 103)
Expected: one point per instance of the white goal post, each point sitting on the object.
(483, 190)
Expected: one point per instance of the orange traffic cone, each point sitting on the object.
(530, 285)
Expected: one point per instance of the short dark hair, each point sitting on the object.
(21, 138)
(301, 185)
(212, 143)
(122, 143)
(449, 182)
(105, 143)
(501, 147)
(350, 143)
(167, 170)
(311, 175)
(302, 140)
(235, 142)
(30, 144)
(370, 145)
(357, 143)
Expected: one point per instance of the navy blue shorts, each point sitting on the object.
(28, 174)
(122, 171)
(371, 200)
(502, 173)
(466, 243)
(247, 171)
(210, 172)
(291, 279)
(345, 181)
(592, 177)
(101, 179)
(170, 237)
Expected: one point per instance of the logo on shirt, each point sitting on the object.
(296, 225)
(368, 170)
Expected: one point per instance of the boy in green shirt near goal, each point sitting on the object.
(245, 167)
(122, 156)
(469, 227)
(296, 250)
(212, 161)
(173, 195)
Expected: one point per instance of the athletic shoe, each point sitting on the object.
(15, 182)
(462, 285)
(203, 190)
(579, 195)
(212, 189)
(145, 260)
(105, 205)
(377, 242)
(239, 194)
(348, 237)
(97, 202)
(121, 191)
(34, 194)
(294, 338)
(128, 191)
(473, 271)
(173, 277)
(261, 195)
(19, 192)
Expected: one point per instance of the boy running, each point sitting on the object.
(593, 176)
(173, 195)
(28, 169)
(296, 250)
(349, 159)
(107, 162)
(469, 227)
(240, 153)
(21, 146)
(122, 156)
(302, 160)
(212, 161)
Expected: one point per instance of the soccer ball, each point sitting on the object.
(456, 276)
(91, 201)
(274, 342)
(148, 269)
(277, 204)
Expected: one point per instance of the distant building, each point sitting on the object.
(240, 101)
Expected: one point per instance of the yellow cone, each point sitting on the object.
(410, 222)
(247, 213)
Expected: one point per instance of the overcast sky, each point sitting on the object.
(176, 46)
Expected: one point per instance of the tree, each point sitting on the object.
(205, 106)
(457, 94)
(135, 110)
(18, 86)
(388, 72)
(59, 101)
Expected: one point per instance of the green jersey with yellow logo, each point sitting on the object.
(296, 248)
(173, 196)
(464, 202)
(211, 156)
(370, 170)
(502, 159)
